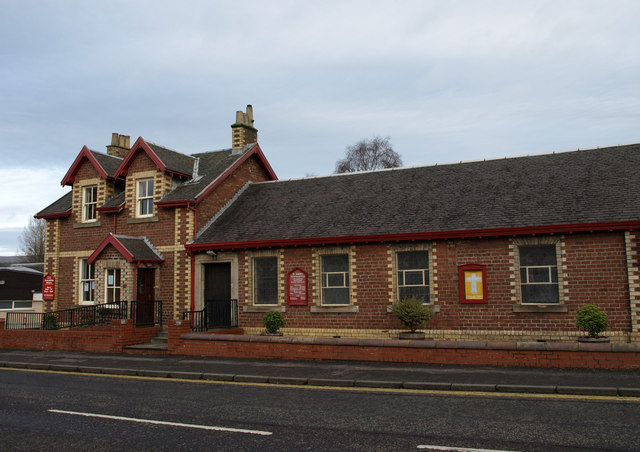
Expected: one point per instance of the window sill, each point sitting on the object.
(351, 309)
(264, 308)
(91, 224)
(142, 220)
(540, 308)
(434, 307)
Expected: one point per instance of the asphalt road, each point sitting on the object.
(46, 411)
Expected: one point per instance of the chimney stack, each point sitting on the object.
(119, 146)
(243, 132)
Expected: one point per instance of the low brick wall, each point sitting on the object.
(526, 354)
(96, 339)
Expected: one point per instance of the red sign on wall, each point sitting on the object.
(297, 282)
(48, 287)
(473, 283)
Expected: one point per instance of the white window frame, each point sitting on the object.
(85, 279)
(557, 283)
(13, 305)
(145, 199)
(89, 206)
(346, 279)
(112, 287)
(425, 274)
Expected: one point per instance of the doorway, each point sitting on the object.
(145, 296)
(217, 294)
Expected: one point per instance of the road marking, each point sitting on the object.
(511, 395)
(458, 449)
(173, 424)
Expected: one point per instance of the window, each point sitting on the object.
(7, 305)
(87, 282)
(265, 280)
(413, 275)
(89, 203)
(539, 274)
(113, 285)
(145, 198)
(335, 279)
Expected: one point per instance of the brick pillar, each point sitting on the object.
(631, 247)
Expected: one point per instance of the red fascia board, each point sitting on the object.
(255, 150)
(111, 240)
(477, 233)
(69, 178)
(51, 216)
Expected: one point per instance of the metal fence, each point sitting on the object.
(215, 314)
(146, 313)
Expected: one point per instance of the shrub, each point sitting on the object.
(592, 319)
(49, 322)
(411, 312)
(273, 321)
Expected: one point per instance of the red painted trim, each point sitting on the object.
(51, 216)
(135, 282)
(461, 234)
(473, 267)
(193, 287)
(85, 153)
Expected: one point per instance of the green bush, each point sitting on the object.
(411, 312)
(592, 319)
(49, 322)
(273, 321)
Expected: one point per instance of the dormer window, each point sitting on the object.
(89, 203)
(144, 198)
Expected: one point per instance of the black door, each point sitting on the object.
(217, 294)
(145, 296)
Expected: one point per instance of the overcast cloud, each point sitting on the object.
(446, 80)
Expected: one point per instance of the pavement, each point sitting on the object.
(622, 383)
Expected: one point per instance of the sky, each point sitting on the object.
(446, 81)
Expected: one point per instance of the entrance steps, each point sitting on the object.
(157, 345)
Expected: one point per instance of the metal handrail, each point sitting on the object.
(215, 314)
(67, 318)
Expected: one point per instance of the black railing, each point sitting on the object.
(146, 313)
(215, 314)
(67, 318)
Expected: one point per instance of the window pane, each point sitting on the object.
(335, 296)
(335, 280)
(537, 255)
(409, 260)
(414, 291)
(414, 278)
(539, 274)
(6, 304)
(22, 304)
(335, 263)
(540, 293)
(266, 280)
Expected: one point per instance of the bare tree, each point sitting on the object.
(366, 155)
(32, 240)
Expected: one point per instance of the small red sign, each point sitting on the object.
(473, 284)
(48, 287)
(297, 287)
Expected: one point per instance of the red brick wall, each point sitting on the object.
(595, 270)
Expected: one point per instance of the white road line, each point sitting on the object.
(458, 449)
(173, 424)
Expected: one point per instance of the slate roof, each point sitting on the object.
(115, 201)
(60, 207)
(588, 186)
(210, 166)
(108, 162)
(173, 160)
(140, 248)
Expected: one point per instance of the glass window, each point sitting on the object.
(335, 279)
(265, 280)
(539, 274)
(87, 282)
(145, 198)
(413, 275)
(89, 203)
(112, 285)
(6, 304)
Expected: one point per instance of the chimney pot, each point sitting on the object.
(119, 146)
(243, 132)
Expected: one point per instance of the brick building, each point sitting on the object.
(501, 249)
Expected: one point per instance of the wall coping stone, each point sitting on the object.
(469, 345)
